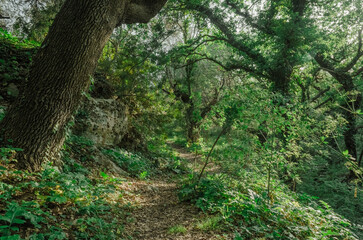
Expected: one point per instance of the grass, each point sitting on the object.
(177, 229)
(209, 224)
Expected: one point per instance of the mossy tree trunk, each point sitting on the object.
(60, 73)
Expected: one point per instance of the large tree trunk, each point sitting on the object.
(60, 73)
(281, 78)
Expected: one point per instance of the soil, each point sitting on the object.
(158, 209)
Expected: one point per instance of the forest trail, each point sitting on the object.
(158, 209)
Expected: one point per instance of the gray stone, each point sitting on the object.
(103, 121)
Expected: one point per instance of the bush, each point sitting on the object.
(252, 214)
(57, 205)
(132, 163)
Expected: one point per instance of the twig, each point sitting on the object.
(210, 151)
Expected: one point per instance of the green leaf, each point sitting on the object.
(5, 218)
(104, 175)
(18, 221)
(13, 237)
(14, 228)
(345, 153)
(330, 233)
(345, 224)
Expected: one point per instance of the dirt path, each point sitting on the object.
(158, 210)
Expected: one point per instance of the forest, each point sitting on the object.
(181, 119)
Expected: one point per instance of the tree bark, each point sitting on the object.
(353, 102)
(60, 73)
(192, 125)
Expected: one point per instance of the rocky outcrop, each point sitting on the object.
(103, 121)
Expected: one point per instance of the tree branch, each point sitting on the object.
(213, 102)
(323, 103)
(359, 71)
(357, 56)
(342, 77)
(319, 94)
(228, 67)
(298, 6)
(249, 19)
(212, 39)
(231, 38)
(141, 11)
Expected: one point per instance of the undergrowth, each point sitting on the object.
(58, 205)
(246, 209)
(15, 58)
(133, 163)
(140, 166)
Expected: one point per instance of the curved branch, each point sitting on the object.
(319, 94)
(141, 11)
(230, 36)
(354, 61)
(341, 76)
(249, 19)
(231, 66)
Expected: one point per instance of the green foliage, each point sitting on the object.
(133, 163)
(80, 148)
(15, 58)
(14, 41)
(58, 205)
(324, 179)
(77, 143)
(128, 64)
(211, 223)
(177, 229)
(145, 166)
(248, 210)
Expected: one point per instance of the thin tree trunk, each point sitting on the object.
(192, 133)
(224, 130)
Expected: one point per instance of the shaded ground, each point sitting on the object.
(195, 161)
(158, 209)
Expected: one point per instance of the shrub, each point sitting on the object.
(252, 214)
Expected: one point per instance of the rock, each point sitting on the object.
(12, 90)
(103, 121)
(105, 162)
